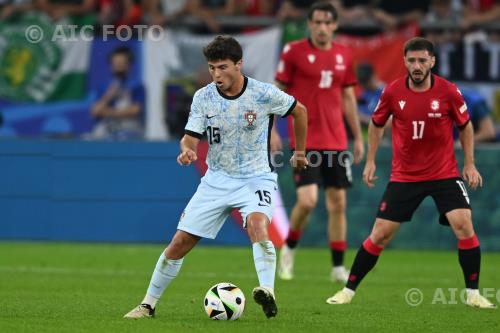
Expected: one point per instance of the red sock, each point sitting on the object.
(293, 238)
(294, 234)
(372, 248)
(338, 245)
(468, 243)
(337, 250)
(469, 256)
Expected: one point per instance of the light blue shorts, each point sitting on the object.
(217, 195)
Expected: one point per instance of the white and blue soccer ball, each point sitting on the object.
(224, 301)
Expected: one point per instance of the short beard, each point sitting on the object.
(418, 83)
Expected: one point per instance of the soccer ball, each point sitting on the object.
(224, 301)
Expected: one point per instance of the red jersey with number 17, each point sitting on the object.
(316, 78)
(422, 128)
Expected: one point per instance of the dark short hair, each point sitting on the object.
(122, 50)
(222, 48)
(324, 6)
(419, 44)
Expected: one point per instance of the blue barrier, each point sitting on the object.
(96, 191)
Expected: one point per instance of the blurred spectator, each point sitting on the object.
(163, 12)
(352, 11)
(293, 14)
(179, 105)
(480, 116)
(119, 12)
(444, 12)
(255, 8)
(294, 9)
(208, 10)
(396, 13)
(448, 11)
(8, 8)
(121, 104)
(477, 12)
(370, 95)
(59, 9)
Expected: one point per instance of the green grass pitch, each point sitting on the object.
(60, 287)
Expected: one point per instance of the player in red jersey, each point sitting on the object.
(319, 73)
(424, 108)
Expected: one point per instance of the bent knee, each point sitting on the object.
(257, 226)
(381, 236)
(307, 204)
(337, 205)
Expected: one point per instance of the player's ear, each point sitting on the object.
(335, 26)
(433, 61)
(239, 63)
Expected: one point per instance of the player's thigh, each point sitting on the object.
(400, 200)
(336, 169)
(206, 212)
(449, 195)
(256, 196)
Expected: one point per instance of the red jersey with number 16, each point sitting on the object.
(422, 128)
(316, 78)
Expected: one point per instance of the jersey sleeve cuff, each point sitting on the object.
(290, 109)
(461, 127)
(193, 134)
(377, 125)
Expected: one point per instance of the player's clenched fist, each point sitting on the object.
(187, 157)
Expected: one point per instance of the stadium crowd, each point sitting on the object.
(458, 15)
(440, 21)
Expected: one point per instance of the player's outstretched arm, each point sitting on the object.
(375, 134)
(189, 145)
(470, 173)
(299, 114)
(351, 115)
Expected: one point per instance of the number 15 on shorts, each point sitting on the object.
(264, 197)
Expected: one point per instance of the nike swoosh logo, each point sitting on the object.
(209, 117)
(263, 205)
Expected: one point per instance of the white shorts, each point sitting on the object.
(217, 195)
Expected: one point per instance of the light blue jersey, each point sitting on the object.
(238, 127)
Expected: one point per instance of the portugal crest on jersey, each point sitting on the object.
(434, 104)
(250, 117)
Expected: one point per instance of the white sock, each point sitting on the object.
(264, 257)
(471, 292)
(348, 291)
(165, 271)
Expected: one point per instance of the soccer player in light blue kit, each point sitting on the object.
(237, 113)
